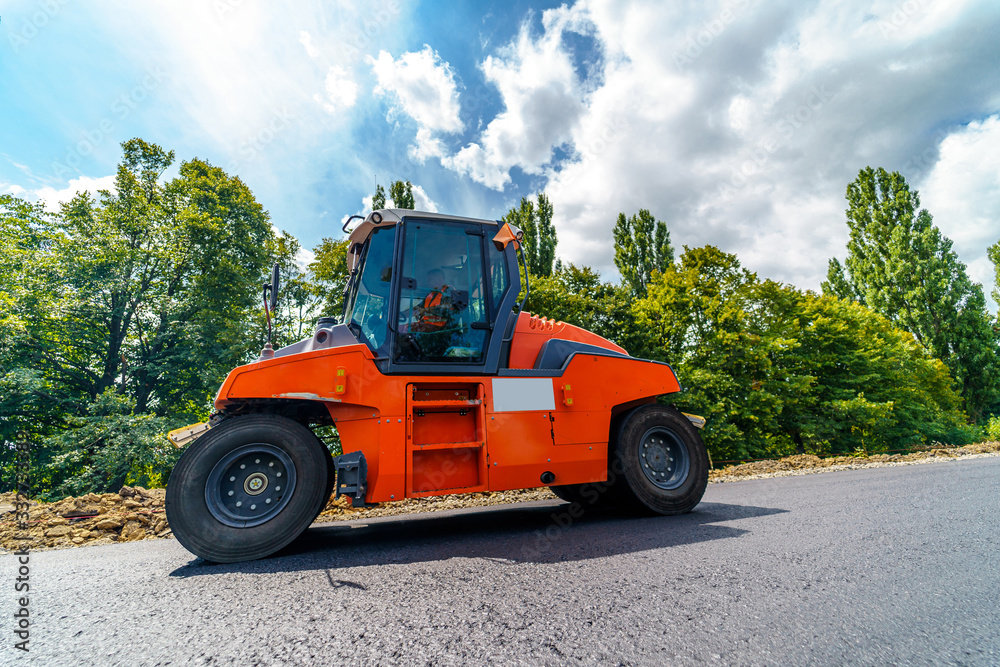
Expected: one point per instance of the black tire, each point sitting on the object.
(659, 462)
(276, 463)
(331, 479)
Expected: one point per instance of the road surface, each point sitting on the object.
(890, 565)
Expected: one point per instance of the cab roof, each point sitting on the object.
(392, 216)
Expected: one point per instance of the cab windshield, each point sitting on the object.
(366, 309)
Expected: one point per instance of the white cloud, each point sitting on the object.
(225, 68)
(305, 39)
(421, 202)
(341, 90)
(52, 197)
(423, 87)
(962, 192)
(543, 100)
(12, 188)
(740, 123)
(304, 257)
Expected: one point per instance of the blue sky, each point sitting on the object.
(738, 122)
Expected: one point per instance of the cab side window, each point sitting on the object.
(442, 295)
(498, 276)
(368, 306)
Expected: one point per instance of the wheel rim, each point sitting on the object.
(664, 458)
(250, 485)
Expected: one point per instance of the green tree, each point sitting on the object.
(378, 199)
(642, 246)
(145, 292)
(328, 273)
(901, 266)
(994, 254)
(298, 297)
(540, 236)
(402, 195)
(31, 401)
(577, 295)
(778, 371)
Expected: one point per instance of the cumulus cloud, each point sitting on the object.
(421, 86)
(739, 123)
(52, 198)
(12, 189)
(341, 90)
(962, 192)
(543, 100)
(422, 202)
(305, 39)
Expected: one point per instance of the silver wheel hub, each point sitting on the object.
(255, 484)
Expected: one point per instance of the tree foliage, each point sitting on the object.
(540, 239)
(901, 266)
(400, 193)
(121, 314)
(378, 199)
(642, 247)
(994, 254)
(329, 275)
(777, 370)
(144, 291)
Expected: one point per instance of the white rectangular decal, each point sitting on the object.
(521, 394)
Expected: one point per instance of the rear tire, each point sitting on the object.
(331, 478)
(247, 488)
(659, 462)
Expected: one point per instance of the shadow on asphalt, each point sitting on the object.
(539, 532)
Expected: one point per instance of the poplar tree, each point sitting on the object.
(400, 193)
(540, 238)
(994, 254)
(642, 246)
(901, 266)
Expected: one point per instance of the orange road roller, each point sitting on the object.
(437, 381)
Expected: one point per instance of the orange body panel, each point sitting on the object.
(430, 435)
(532, 332)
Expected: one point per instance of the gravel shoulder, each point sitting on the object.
(136, 513)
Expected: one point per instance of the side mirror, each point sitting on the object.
(507, 234)
(275, 283)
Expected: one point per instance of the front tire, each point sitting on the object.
(247, 488)
(659, 461)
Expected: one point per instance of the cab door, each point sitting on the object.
(443, 322)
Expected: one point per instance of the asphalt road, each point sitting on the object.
(880, 566)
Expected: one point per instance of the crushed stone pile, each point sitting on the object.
(135, 513)
(808, 463)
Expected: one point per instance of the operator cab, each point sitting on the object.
(450, 303)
